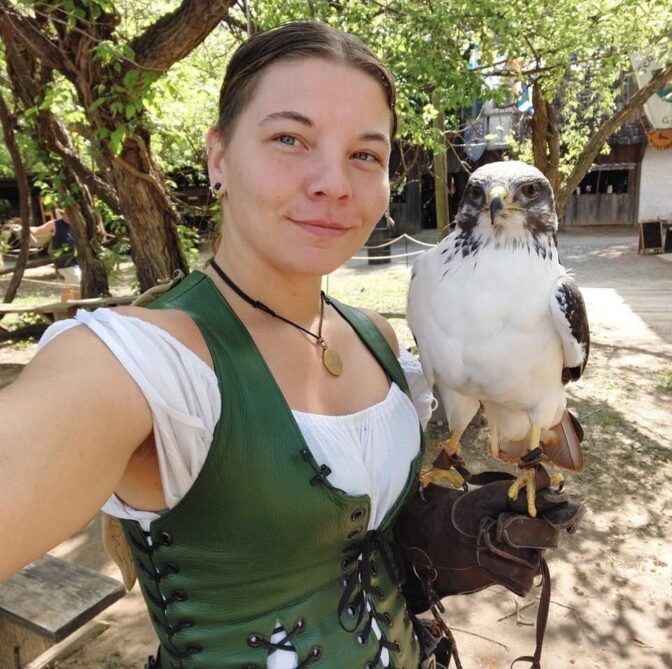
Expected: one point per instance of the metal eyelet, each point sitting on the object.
(351, 611)
(378, 592)
(397, 646)
(253, 641)
(387, 619)
(355, 532)
(316, 652)
(184, 624)
(171, 568)
(374, 568)
(165, 538)
(179, 596)
(361, 640)
(347, 563)
(357, 514)
(300, 624)
(194, 648)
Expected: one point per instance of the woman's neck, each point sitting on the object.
(295, 297)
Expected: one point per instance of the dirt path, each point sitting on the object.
(612, 581)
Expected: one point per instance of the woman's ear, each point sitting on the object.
(216, 165)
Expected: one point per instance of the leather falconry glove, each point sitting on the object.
(457, 542)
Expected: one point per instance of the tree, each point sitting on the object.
(574, 57)
(29, 82)
(25, 205)
(112, 79)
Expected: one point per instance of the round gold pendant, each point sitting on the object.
(332, 361)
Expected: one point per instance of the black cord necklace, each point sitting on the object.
(330, 359)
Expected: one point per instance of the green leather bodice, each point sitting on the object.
(262, 536)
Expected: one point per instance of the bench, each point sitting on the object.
(55, 311)
(43, 607)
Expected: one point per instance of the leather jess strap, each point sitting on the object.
(542, 618)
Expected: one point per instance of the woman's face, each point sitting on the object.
(306, 170)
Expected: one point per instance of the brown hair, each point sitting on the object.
(299, 39)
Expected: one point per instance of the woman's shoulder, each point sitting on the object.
(385, 328)
(176, 323)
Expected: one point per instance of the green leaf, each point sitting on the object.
(130, 78)
(117, 140)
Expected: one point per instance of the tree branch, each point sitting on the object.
(28, 31)
(25, 206)
(176, 34)
(596, 142)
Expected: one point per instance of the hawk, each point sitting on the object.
(499, 322)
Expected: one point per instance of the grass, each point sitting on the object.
(381, 288)
(664, 381)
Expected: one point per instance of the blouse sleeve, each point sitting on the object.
(180, 389)
(421, 394)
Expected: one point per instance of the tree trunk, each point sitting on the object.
(81, 214)
(25, 203)
(83, 224)
(155, 246)
(545, 138)
(440, 174)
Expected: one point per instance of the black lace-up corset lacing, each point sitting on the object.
(358, 591)
(154, 576)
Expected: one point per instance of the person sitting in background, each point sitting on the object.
(55, 232)
(62, 248)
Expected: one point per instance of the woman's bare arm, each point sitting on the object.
(68, 426)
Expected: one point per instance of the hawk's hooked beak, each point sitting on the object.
(497, 198)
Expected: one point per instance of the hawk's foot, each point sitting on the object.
(453, 446)
(526, 479)
(434, 475)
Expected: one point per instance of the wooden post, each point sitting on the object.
(440, 174)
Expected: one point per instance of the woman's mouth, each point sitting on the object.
(322, 228)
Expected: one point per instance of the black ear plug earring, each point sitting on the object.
(214, 189)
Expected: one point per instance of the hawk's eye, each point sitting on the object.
(475, 192)
(530, 190)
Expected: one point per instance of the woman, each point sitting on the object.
(253, 435)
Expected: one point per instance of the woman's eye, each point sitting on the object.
(288, 140)
(475, 192)
(530, 190)
(364, 155)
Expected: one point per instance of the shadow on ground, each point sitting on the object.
(611, 580)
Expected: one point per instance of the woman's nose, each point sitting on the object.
(330, 177)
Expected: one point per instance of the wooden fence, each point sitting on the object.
(601, 209)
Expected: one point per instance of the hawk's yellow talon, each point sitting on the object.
(525, 480)
(447, 475)
(531, 493)
(556, 479)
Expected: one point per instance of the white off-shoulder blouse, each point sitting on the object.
(369, 451)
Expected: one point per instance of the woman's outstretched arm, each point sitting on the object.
(68, 426)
